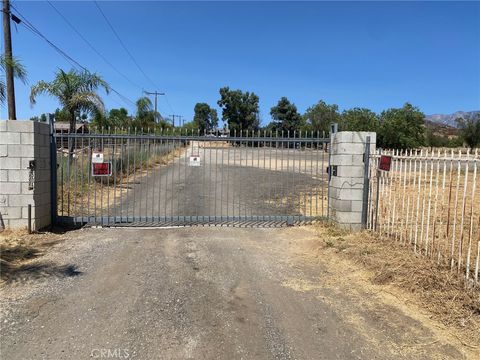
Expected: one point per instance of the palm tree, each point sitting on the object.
(144, 106)
(19, 72)
(145, 118)
(76, 92)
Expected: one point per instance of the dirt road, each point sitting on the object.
(204, 293)
(231, 182)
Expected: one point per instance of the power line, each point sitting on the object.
(33, 29)
(168, 103)
(156, 93)
(123, 45)
(27, 24)
(92, 47)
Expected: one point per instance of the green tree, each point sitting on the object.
(61, 115)
(205, 117)
(145, 117)
(41, 118)
(470, 131)
(76, 91)
(19, 72)
(321, 115)
(240, 110)
(118, 118)
(190, 127)
(434, 140)
(285, 117)
(359, 119)
(401, 128)
(213, 118)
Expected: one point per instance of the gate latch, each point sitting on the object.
(332, 171)
(31, 173)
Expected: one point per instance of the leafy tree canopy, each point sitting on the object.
(359, 119)
(401, 128)
(41, 118)
(75, 90)
(19, 72)
(205, 117)
(239, 109)
(61, 115)
(145, 117)
(470, 131)
(285, 117)
(118, 118)
(321, 115)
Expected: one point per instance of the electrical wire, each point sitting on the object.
(28, 25)
(123, 44)
(168, 103)
(92, 47)
(33, 29)
(129, 53)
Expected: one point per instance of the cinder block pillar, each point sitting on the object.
(20, 143)
(347, 177)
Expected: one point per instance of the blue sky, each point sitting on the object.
(375, 54)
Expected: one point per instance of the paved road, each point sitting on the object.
(202, 293)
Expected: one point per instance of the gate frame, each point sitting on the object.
(118, 220)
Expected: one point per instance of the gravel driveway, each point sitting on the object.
(202, 293)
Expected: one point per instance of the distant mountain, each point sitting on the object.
(449, 120)
(440, 129)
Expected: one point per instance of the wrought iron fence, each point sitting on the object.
(429, 200)
(170, 178)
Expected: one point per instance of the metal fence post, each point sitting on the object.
(333, 130)
(53, 173)
(366, 183)
(377, 200)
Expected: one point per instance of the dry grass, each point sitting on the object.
(74, 198)
(18, 249)
(213, 144)
(435, 216)
(312, 203)
(434, 288)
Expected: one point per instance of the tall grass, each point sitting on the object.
(75, 182)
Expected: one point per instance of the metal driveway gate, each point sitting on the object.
(121, 179)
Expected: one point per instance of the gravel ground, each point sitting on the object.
(203, 293)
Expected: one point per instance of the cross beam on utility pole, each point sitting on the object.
(156, 93)
(7, 38)
(179, 117)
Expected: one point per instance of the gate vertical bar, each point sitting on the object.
(53, 173)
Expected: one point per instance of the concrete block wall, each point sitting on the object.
(346, 188)
(20, 142)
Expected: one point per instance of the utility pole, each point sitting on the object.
(179, 119)
(156, 93)
(7, 37)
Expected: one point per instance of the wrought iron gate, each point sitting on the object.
(120, 179)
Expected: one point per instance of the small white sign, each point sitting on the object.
(97, 158)
(194, 160)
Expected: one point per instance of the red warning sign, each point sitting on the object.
(385, 163)
(102, 169)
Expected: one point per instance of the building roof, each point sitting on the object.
(65, 126)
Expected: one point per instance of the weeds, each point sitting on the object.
(442, 291)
